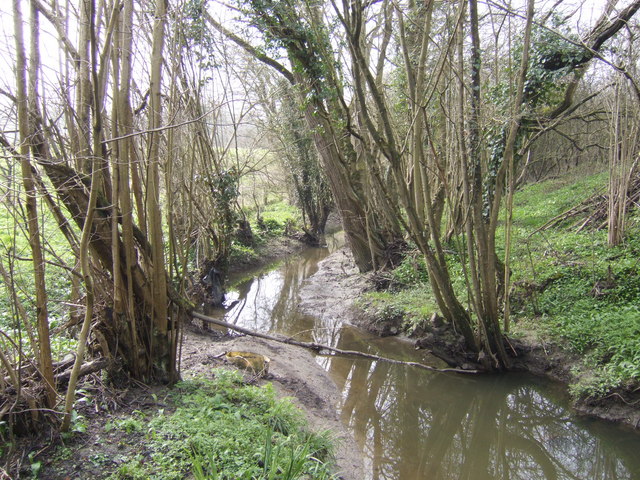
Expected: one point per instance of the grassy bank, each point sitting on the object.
(220, 428)
(569, 287)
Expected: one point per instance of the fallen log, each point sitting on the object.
(87, 368)
(318, 347)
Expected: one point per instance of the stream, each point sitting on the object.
(414, 424)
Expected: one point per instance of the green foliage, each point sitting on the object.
(411, 271)
(224, 428)
(567, 286)
(196, 35)
(242, 254)
(555, 52)
(131, 424)
(286, 25)
(35, 465)
(413, 304)
(574, 288)
(278, 218)
(15, 255)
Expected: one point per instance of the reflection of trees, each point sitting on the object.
(268, 302)
(415, 425)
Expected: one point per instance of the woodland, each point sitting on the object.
(147, 144)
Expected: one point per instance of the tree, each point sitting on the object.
(312, 193)
(298, 29)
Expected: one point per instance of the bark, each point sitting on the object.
(25, 131)
(158, 274)
(328, 118)
(482, 232)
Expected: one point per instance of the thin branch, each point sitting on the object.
(254, 52)
(318, 347)
(159, 129)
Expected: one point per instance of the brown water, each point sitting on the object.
(414, 424)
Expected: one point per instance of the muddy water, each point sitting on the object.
(418, 425)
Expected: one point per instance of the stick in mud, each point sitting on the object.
(318, 347)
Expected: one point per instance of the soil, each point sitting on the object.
(294, 373)
(332, 290)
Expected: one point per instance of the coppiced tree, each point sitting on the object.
(28, 123)
(101, 137)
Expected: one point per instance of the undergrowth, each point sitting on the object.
(277, 219)
(223, 429)
(568, 285)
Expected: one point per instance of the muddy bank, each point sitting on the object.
(273, 249)
(549, 360)
(333, 290)
(330, 292)
(293, 372)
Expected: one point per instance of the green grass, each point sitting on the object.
(277, 217)
(587, 293)
(15, 255)
(226, 429)
(569, 287)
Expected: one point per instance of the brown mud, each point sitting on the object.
(93, 452)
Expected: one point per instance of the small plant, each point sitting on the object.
(78, 425)
(411, 271)
(128, 425)
(215, 431)
(204, 467)
(35, 465)
(242, 253)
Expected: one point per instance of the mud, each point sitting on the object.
(329, 294)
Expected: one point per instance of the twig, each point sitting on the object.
(318, 347)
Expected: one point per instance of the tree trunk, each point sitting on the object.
(26, 133)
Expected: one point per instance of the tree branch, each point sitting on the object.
(250, 49)
(318, 347)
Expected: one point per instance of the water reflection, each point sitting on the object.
(414, 424)
(418, 425)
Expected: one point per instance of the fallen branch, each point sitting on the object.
(85, 369)
(318, 347)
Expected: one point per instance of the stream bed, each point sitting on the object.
(414, 424)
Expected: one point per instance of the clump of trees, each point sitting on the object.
(423, 114)
(115, 134)
(417, 121)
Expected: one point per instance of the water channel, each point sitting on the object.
(413, 424)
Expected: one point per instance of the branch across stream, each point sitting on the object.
(319, 348)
